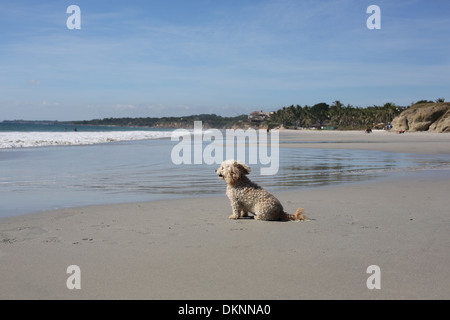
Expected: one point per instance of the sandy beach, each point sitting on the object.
(411, 142)
(188, 249)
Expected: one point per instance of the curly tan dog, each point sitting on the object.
(247, 196)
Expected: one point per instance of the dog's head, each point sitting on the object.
(232, 170)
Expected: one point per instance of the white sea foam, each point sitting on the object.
(11, 140)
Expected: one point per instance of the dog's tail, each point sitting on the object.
(298, 216)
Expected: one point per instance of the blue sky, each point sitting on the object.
(172, 58)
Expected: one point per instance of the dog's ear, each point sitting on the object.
(243, 168)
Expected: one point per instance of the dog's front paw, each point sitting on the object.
(233, 217)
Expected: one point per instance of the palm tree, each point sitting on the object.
(336, 112)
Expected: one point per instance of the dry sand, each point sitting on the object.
(411, 142)
(188, 249)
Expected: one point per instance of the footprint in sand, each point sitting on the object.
(20, 234)
(52, 240)
(9, 240)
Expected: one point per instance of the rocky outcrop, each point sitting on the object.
(443, 124)
(424, 117)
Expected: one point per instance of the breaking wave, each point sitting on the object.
(14, 140)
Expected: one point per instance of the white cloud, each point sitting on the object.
(50, 104)
(34, 83)
(122, 107)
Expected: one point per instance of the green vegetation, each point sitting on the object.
(209, 120)
(423, 101)
(440, 100)
(337, 115)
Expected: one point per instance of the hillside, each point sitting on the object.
(424, 117)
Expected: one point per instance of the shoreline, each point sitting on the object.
(188, 249)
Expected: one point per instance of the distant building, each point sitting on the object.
(259, 116)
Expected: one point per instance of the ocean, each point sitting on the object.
(17, 135)
(45, 168)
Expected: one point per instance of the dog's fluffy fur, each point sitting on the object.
(247, 197)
